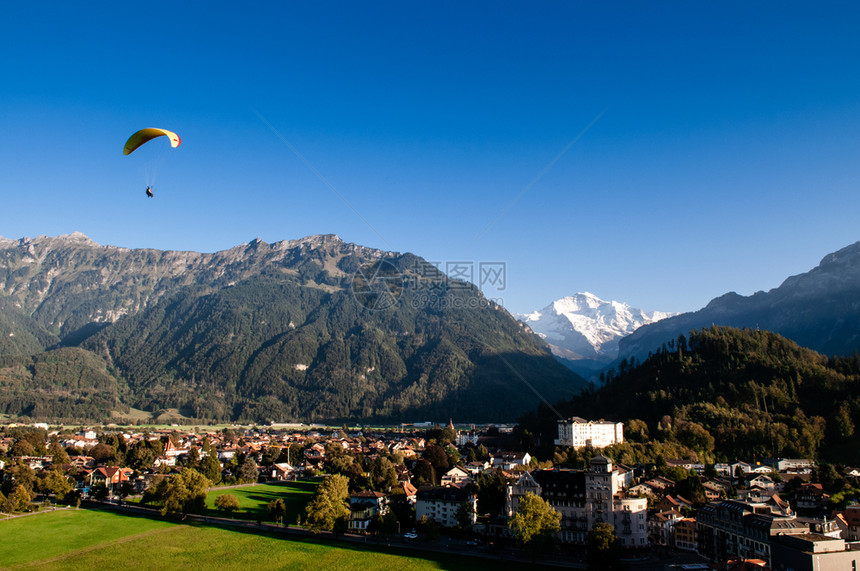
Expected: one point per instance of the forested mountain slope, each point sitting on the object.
(309, 329)
(819, 309)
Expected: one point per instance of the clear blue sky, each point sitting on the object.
(722, 152)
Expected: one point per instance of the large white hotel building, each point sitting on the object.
(578, 433)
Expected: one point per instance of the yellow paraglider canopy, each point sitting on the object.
(145, 135)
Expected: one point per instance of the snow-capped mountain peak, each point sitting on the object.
(583, 326)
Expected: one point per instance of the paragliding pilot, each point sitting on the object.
(145, 135)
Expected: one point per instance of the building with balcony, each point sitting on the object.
(447, 506)
(363, 507)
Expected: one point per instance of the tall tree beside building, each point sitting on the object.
(329, 505)
(492, 490)
(604, 552)
(535, 521)
(248, 470)
(58, 455)
(465, 515)
(383, 476)
(437, 457)
(182, 493)
(211, 468)
(53, 482)
(424, 474)
(193, 459)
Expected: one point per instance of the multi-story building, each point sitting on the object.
(470, 437)
(447, 506)
(112, 477)
(850, 521)
(661, 527)
(730, 529)
(800, 465)
(579, 433)
(584, 498)
(363, 507)
(685, 534)
(810, 498)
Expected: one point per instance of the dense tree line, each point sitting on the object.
(724, 393)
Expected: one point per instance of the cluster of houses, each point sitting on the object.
(745, 517)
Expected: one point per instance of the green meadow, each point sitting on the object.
(87, 539)
(253, 500)
(48, 535)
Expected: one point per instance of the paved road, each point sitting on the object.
(28, 514)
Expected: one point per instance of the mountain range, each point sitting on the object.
(819, 309)
(319, 329)
(583, 326)
(311, 329)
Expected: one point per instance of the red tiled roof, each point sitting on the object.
(367, 494)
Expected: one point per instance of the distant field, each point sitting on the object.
(84, 539)
(253, 500)
(172, 420)
(132, 414)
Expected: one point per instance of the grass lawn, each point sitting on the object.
(45, 535)
(84, 539)
(253, 500)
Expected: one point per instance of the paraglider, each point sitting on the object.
(152, 159)
(146, 135)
